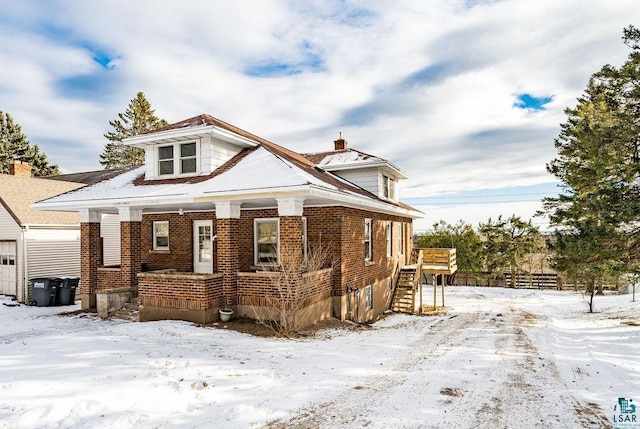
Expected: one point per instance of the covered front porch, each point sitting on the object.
(201, 261)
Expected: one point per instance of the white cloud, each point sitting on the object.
(427, 85)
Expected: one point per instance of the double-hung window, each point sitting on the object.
(161, 235)
(266, 241)
(179, 157)
(389, 234)
(368, 243)
(388, 187)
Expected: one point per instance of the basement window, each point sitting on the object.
(368, 297)
(161, 235)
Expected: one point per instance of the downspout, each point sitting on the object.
(23, 263)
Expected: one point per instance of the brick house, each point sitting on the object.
(204, 222)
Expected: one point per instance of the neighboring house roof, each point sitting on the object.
(258, 174)
(89, 177)
(18, 193)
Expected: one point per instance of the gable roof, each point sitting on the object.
(259, 174)
(18, 193)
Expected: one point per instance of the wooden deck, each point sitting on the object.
(423, 261)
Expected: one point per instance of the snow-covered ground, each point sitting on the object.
(499, 358)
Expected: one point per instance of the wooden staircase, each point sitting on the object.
(404, 297)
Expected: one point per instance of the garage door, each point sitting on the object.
(8, 268)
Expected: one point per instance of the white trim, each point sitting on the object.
(227, 210)
(89, 216)
(176, 160)
(154, 245)
(368, 250)
(348, 199)
(189, 133)
(290, 206)
(128, 214)
(202, 267)
(389, 238)
(255, 239)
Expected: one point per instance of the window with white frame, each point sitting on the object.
(403, 238)
(304, 239)
(161, 235)
(389, 234)
(178, 158)
(388, 187)
(368, 243)
(266, 233)
(368, 297)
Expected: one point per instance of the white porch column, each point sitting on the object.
(290, 206)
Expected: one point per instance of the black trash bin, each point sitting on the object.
(45, 291)
(67, 290)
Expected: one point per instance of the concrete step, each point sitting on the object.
(126, 314)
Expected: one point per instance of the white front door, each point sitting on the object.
(202, 246)
(8, 268)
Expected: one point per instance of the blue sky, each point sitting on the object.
(465, 96)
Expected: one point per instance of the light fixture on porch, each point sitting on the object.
(180, 212)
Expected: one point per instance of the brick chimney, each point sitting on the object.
(19, 168)
(340, 144)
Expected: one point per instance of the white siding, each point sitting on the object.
(11, 231)
(222, 152)
(212, 154)
(367, 178)
(110, 233)
(53, 253)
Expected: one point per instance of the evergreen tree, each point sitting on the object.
(138, 118)
(460, 236)
(507, 243)
(597, 215)
(14, 145)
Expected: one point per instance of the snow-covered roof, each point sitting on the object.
(256, 177)
(348, 159)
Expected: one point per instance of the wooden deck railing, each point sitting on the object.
(438, 260)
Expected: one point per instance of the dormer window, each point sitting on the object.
(178, 157)
(388, 187)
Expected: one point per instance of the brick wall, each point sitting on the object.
(130, 256)
(180, 254)
(337, 228)
(109, 278)
(261, 289)
(90, 257)
(184, 291)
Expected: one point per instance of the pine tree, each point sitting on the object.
(506, 244)
(597, 215)
(138, 118)
(14, 145)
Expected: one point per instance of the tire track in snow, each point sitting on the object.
(502, 386)
(351, 408)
